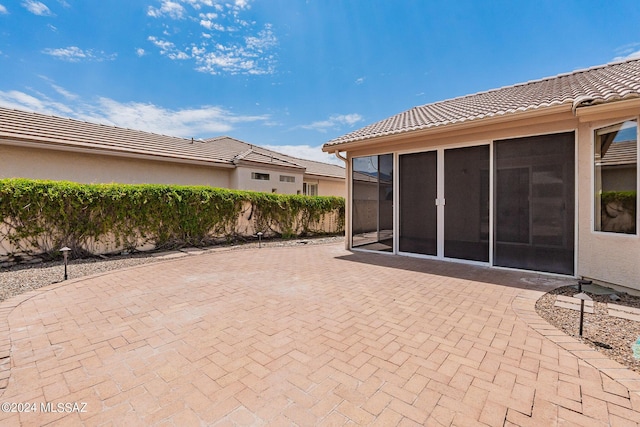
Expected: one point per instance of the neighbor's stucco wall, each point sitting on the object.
(22, 162)
(327, 187)
(331, 188)
(241, 179)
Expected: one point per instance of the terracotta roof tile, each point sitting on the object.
(606, 83)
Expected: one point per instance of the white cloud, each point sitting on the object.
(628, 51)
(59, 89)
(360, 80)
(140, 51)
(37, 8)
(263, 41)
(336, 121)
(230, 45)
(62, 91)
(168, 8)
(306, 152)
(205, 121)
(3, 10)
(75, 54)
(632, 55)
(250, 57)
(169, 49)
(22, 101)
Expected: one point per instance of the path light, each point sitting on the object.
(259, 234)
(65, 252)
(583, 282)
(582, 297)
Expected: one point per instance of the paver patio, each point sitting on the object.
(308, 335)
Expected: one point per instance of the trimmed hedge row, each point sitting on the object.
(626, 198)
(42, 216)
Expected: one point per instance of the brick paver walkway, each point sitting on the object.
(309, 335)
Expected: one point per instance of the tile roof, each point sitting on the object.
(605, 83)
(622, 153)
(58, 132)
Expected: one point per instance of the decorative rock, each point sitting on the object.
(573, 304)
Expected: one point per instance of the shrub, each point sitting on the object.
(42, 216)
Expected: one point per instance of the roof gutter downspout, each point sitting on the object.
(337, 154)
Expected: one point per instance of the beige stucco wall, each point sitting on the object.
(612, 258)
(241, 179)
(609, 258)
(328, 187)
(21, 162)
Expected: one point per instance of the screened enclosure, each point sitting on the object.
(534, 197)
(372, 207)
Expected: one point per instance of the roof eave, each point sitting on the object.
(323, 176)
(449, 127)
(267, 165)
(603, 110)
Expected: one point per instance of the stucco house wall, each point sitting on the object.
(612, 258)
(328, 186)
(242, 178)
(21, 162)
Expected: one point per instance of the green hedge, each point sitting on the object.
(42, 216)
(626, 198)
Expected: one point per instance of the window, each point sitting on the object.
(287, 178)
(309, 189)
(616, 178)
(260, 176)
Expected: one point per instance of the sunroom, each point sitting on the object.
(540, 176)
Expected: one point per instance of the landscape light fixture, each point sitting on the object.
(259, 234)
(582, 297)
(582, 282)
(65, 252)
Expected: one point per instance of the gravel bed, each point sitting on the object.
(18, 279)
(613, 336)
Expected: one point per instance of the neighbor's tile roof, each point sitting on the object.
(58, 132)
(595, 85)
(621, 154)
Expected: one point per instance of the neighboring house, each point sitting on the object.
(537, 176)
(46, 147)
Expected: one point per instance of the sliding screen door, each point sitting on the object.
(466, 220)
(534, 203)
(418, 213)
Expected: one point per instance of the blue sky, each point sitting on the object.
(287, 74)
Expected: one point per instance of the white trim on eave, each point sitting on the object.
(264, 165)
(605, 111)
(325, 177)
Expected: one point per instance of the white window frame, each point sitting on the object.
(594, 129)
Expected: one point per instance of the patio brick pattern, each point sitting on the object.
(308, 335)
